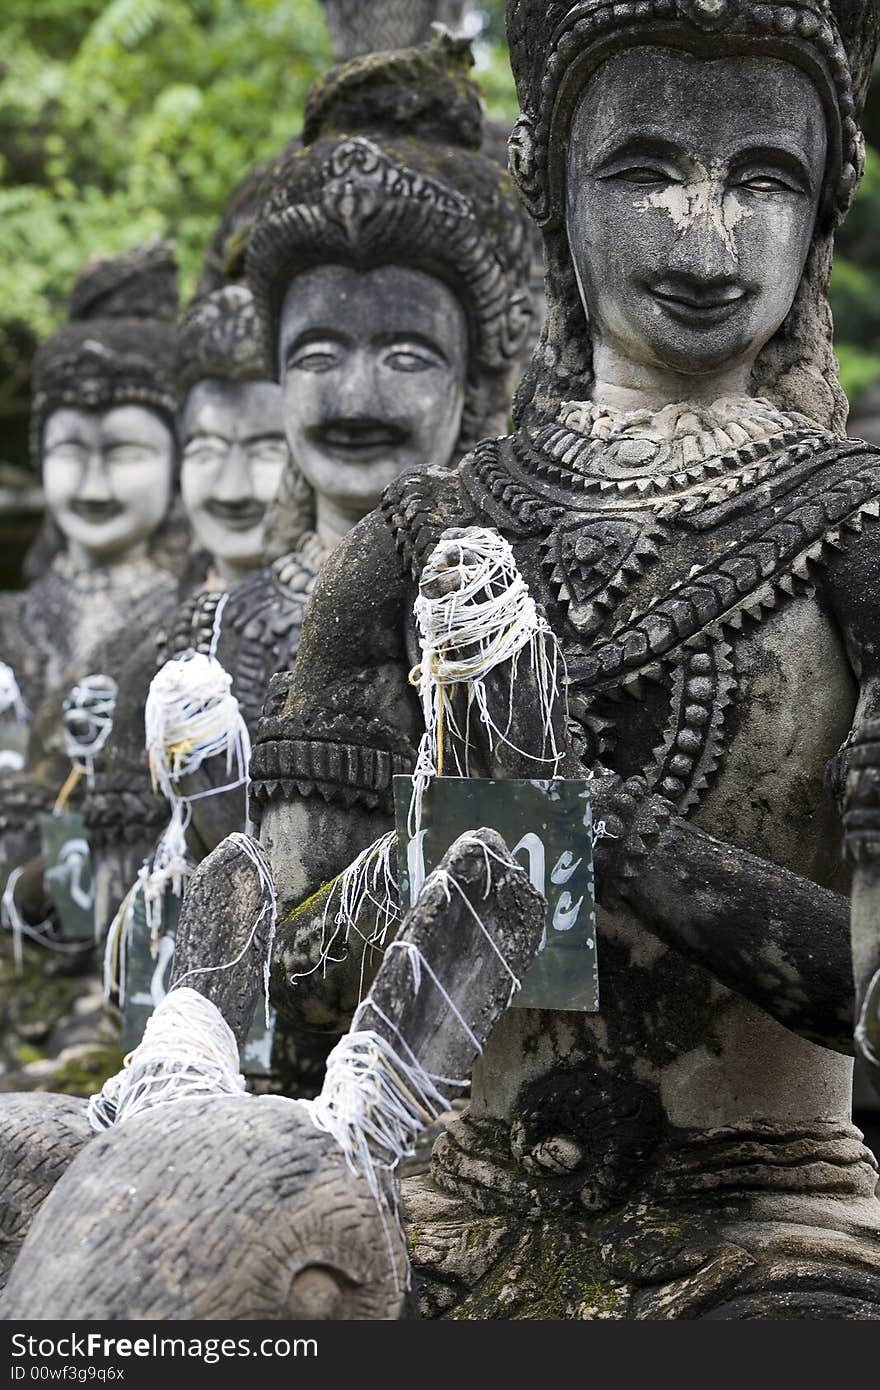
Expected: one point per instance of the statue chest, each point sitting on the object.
(699, 652)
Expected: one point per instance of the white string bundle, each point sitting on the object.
(43, 933)
(88, 719)
(188, 1049)
(10, 695)
(252, 850)
(367, 880)
(490, 618)
(191, 715)
(11, 702)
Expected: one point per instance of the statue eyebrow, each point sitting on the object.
(618, 145)
(782, 155)
(204, 434)
(405, 335)
(263, 436)
(258, 438)
(316, 335)
(71, 436)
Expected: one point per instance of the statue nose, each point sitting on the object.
(357, 392)
(234, 482)
(705, 251)
(95, 485)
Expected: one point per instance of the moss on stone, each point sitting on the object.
(86, 1073)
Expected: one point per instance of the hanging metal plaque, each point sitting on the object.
(68, 874)
(148, 975)
(548, 827)
(147, 967)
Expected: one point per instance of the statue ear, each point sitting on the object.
(516, 323)
(523, 165)
(858, 22)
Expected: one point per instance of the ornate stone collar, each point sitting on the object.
(128, 575)
(704, 452)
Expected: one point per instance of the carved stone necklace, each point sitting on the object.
(676, 459)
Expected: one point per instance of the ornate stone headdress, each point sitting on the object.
(367, 26)
(555, 45)
(118, 347)
(390, 174)
(219, 336)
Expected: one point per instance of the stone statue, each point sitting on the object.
(103, 437)
(233, 449)
(234, 455)
(389, 264)
(681, 500)
(297, 1209)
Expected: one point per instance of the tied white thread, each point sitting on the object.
(88, 719)
(253, 851)
(118, 941)
(10, 695)
(116, 949)
(191, 715)
(42, 933)
(188, 1049)
(490, 618)
(367, 883)
(376, 1099)
(217, 625)
(377, 1096)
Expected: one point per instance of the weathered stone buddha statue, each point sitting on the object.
(389, 266)
(681, 499)
(103, 437)
(233, 456)
(233, 448)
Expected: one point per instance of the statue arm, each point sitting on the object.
(773, 936)
(328, 744)
(769, 934)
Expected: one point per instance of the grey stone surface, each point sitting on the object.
(245, 1209)
(681, 500)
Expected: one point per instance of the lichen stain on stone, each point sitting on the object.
(704, 199)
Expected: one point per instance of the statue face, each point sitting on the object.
(107, 476)
(373, 366)
(691, 197)
(234, 453)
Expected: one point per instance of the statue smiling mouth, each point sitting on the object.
(691, 305)
(359, 440)
(96, 511)
(237, 516)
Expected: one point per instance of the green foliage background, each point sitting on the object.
(120, 119)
